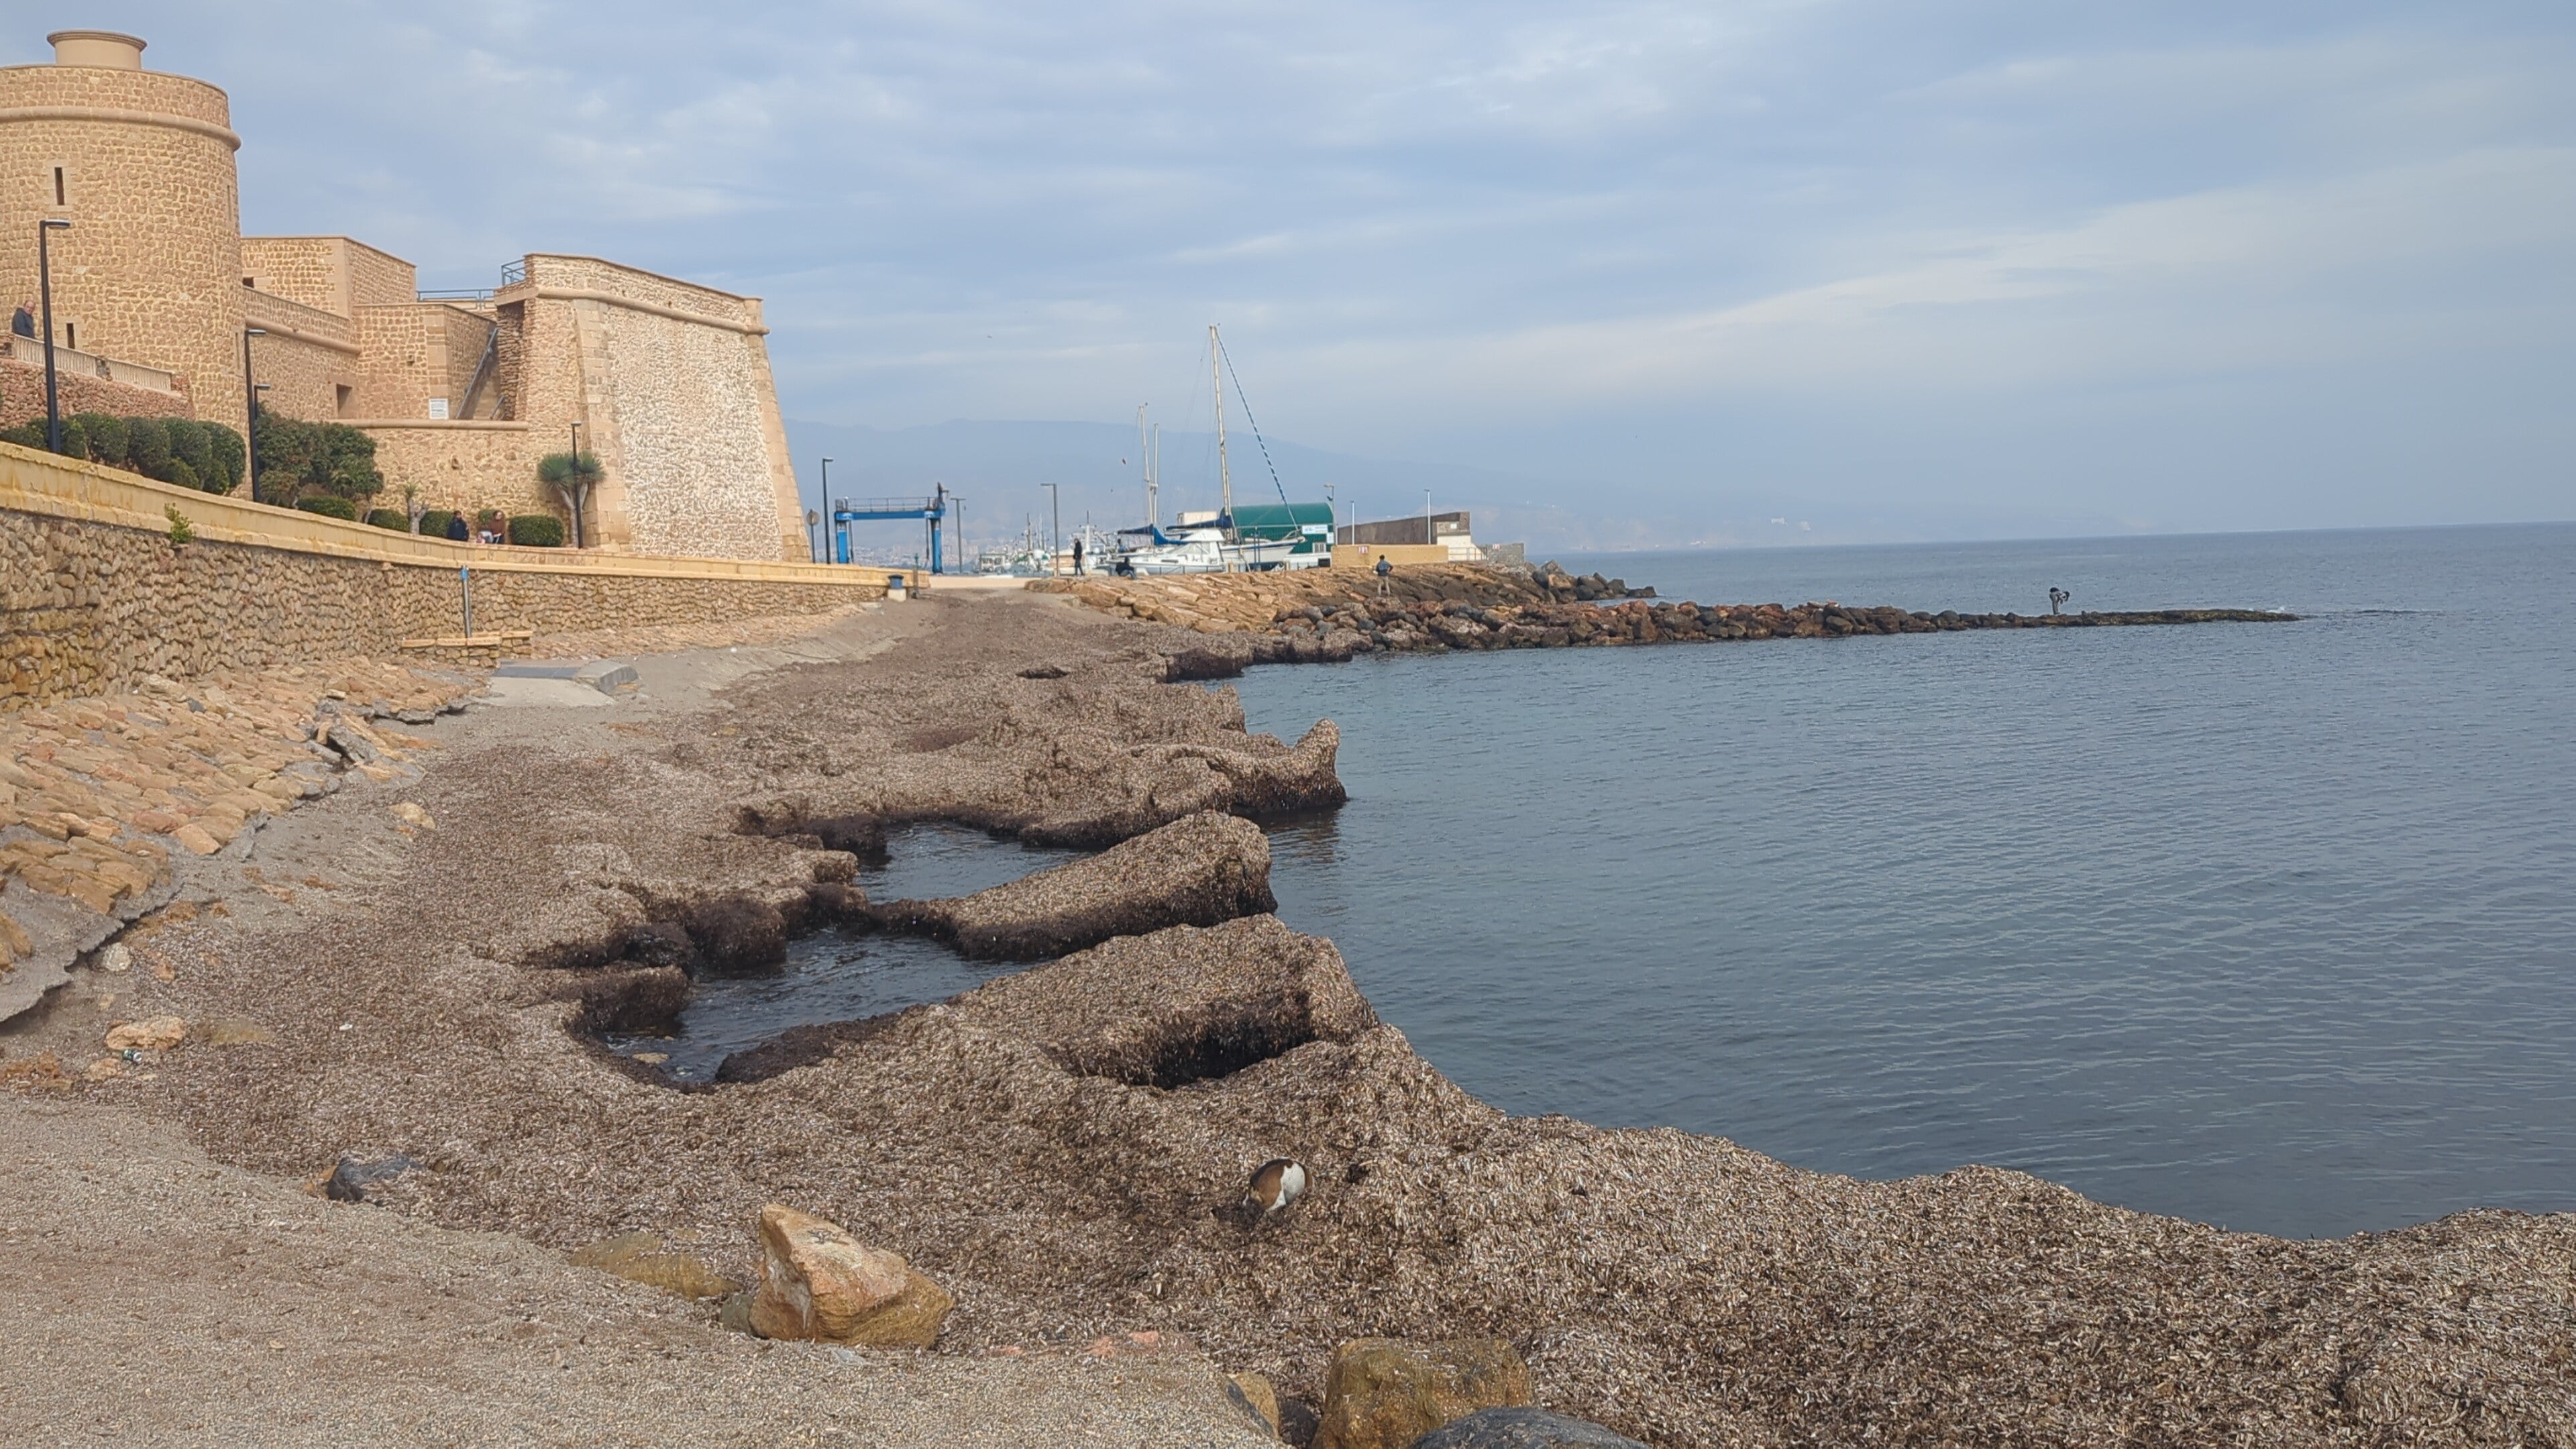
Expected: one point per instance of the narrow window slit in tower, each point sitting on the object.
(58, 186)
(71, 336)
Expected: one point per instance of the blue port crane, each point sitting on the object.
(931, 510)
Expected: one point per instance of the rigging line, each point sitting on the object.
(1247, 418)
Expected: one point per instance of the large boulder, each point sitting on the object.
(1385, 1393)
(818, 1282)
(1522, 1429)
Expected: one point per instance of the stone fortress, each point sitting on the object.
(161, 307)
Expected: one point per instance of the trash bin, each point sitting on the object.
(894, 588)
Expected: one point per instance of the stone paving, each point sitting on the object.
(99, 796)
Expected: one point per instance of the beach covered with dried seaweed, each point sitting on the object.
(1064, 1148)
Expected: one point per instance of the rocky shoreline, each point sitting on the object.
(1314, 615)
(1064, 1150)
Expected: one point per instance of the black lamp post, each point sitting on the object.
(45, 289)
(827, 497)
(250, 409)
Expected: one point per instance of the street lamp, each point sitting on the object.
(1055, 543)
(827, 490)
(250, 410)
(1426, 516)
(45, 287)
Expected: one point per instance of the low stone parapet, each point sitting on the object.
(98, 588)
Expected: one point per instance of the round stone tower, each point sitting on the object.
(141, 164)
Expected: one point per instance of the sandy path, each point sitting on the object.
(151, 1296)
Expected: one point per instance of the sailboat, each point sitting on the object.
(1207, 543)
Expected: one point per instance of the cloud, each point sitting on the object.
(1514, 229)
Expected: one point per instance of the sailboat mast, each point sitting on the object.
(1154, 479)
(1145, 465)
(1216, 384)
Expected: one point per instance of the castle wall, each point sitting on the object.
(82, 390)
(305, 358)
(151, 267)
(466, 467)
(671, 382)
(329, 273)
(377, 278)
(415, 352)
(93, 594)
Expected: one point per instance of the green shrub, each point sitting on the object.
(537, 530)
(25, 435)
(392, 518)
(225, 448)
(75, 439)
(329, 506)
(147, 446)
(181, 532)
(188, 445)
(298, 459)
(433, 524)
(180, 474)
(105, 434)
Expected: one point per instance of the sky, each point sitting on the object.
(1661, 273)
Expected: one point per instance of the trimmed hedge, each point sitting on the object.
(191, 454)
(329, 505)
(392, 518)
(433, 524)
(537, 530)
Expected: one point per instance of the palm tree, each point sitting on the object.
(573, 475)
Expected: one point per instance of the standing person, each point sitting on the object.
(456, 528)
(1385, 567)
(1077, 553)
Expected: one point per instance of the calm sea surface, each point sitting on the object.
(2266, 925)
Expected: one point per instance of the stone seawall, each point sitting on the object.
(1320, 614)
(95, 595)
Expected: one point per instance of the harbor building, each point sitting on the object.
(1447, 530)
(161, 307)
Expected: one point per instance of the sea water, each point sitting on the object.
(2268, 925)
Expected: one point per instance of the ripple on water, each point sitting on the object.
(2266, 925)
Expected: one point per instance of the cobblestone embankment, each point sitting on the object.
(99, 796)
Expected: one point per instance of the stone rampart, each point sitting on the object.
(417, 352)
(82, 390)
(94, 595)
(671, 382)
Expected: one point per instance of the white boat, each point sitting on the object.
(1199, 549)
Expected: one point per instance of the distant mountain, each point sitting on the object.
(998, 469)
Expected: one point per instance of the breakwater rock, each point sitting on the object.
(1314, 615)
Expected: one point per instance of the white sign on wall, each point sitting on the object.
(438, 407)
